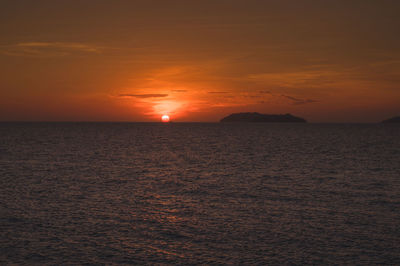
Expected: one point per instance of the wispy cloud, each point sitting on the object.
(293, 100)
(151, 95)
(218, 92)
(297, 101)
(318, 77)
(48, 49)
(61, 45)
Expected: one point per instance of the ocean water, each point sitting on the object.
(198, 193)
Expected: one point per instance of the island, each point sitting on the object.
(395, 119)
(257, 117)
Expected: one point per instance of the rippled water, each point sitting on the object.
(104, 193)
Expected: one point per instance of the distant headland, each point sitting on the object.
(395, 119)
(257, 117)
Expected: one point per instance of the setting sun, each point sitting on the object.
(165, 118)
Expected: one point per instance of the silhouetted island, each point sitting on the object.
(395, 119)
(257, 117)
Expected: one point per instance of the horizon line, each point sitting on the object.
(174, 122)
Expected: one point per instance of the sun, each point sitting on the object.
(165, 118)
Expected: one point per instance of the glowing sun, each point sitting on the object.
(165, 118)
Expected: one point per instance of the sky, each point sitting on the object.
(120, 60)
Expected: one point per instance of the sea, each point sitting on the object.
(199, 193)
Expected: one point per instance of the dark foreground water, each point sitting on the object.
(95, 193)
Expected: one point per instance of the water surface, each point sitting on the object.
(123, 193)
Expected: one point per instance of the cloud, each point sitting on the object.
(297, 101)
(293, 100)
(179, 90)
(153, 95)
(48, 49)
(218, 92)
(306, 78)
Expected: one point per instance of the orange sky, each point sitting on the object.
(326, 61)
